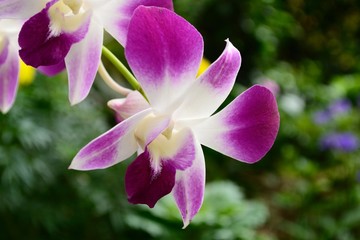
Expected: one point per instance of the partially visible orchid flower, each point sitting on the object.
(9, 63)
(12, 70)
(13, 14)
(70, 33)
(164, 52)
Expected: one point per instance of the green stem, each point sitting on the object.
(123, 70)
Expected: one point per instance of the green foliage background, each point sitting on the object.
(298, 191)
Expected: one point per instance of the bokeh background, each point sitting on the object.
(306, 187)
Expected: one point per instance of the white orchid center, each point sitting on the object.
(67, 16)
(164, 146)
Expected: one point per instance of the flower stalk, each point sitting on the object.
(110, 82)
(123, 70)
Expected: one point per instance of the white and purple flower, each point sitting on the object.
(69, 33)
(164, 52)
(9, 56)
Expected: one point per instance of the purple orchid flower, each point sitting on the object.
(9, 63)
(13, 13)
(164, 52)
(70, 33)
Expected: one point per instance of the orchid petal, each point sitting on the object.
(20, 8)
(9, 72)
(52, 70)
(245, 129)
(110, 148)
(210, 90)
(116, 16)
(82, 63)
(38, 48)
(132, 104)
(190, 186)
(143, 186)
(164, 51)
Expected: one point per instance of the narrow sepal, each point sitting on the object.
(82, 63)
(9, 73)
(114, 146)
(190, 186)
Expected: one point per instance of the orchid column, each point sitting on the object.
(176, 114)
